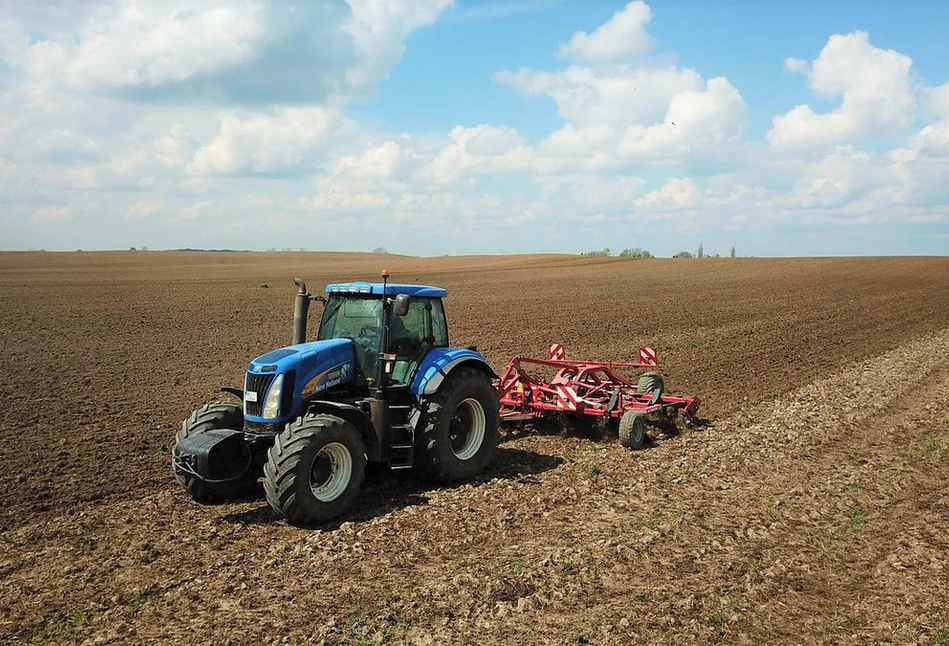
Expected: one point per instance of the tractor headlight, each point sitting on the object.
(272, 403)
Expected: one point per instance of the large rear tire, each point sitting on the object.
(459, 428)
(212, 417)
(315, 469)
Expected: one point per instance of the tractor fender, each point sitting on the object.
(355, 416)
(440, 362)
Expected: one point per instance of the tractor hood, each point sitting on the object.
(308, 369)
(302, 356)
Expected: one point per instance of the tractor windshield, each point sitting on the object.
(357, 318)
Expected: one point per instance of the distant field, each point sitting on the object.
(105, 353)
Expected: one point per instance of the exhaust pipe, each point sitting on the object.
(301, 307)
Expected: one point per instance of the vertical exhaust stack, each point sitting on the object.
(301, 307)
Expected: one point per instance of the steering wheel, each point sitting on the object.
(369, 332)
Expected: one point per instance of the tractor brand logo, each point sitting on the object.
(327, 379)
(331, 379)
(322, 381)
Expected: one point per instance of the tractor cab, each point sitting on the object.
(355, 311)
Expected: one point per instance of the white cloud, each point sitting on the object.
(63, 146)
(796, 65)
(593, 191)
(13, 41)
(141, 209)
(616, 97)
(174, 148)
(676, 194)
(692, 118)
(617, 114)
(933, 139)
(51, 214)
(696, 120)
(340, 197)
(387, 161)
(937, 101)
(196, 210)
(239, 52)
(379, 29)
(480, 150)
(876, 90)
(622, 36)
(160, 43)
(262, 142)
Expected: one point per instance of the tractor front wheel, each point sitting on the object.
(214, 417)
(459, 428)
(315, 469)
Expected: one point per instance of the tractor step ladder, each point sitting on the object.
(402, 449)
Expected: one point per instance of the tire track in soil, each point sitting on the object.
(815, 517)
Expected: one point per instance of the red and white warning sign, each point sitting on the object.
(567, 397)
(557, 352)
(648, 356)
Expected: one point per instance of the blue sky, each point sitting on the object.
(433, 127)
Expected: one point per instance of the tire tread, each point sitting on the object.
(428, 464)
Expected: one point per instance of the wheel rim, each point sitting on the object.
(331, 471)
(640, 430)
(466, 429)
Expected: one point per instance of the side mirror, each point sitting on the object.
(401, 305)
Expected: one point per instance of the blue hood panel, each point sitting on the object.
(317, 366)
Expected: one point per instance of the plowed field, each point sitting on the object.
(814, 509)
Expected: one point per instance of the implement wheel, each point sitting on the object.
(315, 469)
(653, 383)
(459, 428)
(632, 430)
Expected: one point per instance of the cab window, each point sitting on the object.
(356, 318)
(413, 335)
(439, 325)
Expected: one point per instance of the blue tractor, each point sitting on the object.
(379, 384)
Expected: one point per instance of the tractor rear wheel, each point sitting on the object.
(459, 428)
(211, 417)
(315, 469)
(632, 430)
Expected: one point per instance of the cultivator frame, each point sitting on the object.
(587, 388)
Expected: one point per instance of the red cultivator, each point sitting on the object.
(592, 388)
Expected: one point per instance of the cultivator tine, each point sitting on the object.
(613, 403)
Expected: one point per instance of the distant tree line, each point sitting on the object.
(633, 252)
(601, 253)
(700, 253)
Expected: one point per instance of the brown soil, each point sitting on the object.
(812, 511)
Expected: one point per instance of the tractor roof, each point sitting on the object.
(391, 289)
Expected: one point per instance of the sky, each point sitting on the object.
(435, 127)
